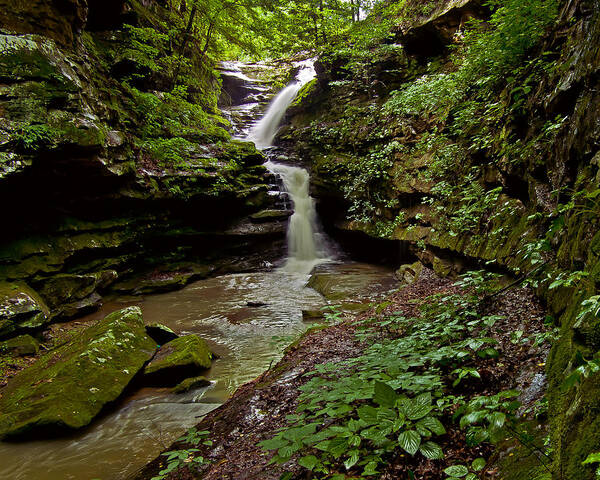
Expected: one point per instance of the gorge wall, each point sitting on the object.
(111, 179)
(490, 160)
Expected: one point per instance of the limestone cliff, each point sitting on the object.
(507, 178)
(116, 169)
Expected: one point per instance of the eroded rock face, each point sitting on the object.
(20, 308)
(60, 20)
(430, 36)
(66, 388)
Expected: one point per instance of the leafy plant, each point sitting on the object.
(485, 416)
(455, 472)
(176, 459)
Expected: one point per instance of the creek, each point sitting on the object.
(247, 319)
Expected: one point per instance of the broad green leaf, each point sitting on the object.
(432, 424)
(415, 411)
(288, 451)
(431, 450)
(471, 476)
(473, 417)
(386, 415)
(456, 471)
(273, 443)
(423, 399)
(409, 441)
(352, 459)
(370, 469)
(592, 458)
(497, 419)
(337, 447)
(309, 461)
(384, 395)
(478, 464)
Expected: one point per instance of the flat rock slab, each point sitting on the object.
(67, 387)
(183, 357)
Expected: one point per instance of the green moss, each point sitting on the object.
(21, 345)
(190, 384)
(67, 387)
(305, 93)
(20, 308)
(177, 359)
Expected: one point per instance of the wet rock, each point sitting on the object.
(190, 384)
(409, 274)
(68, 295)
(163, 281)
(21, 346)
(67, 387)
(20, 308)
(256, 304)
(180, 358)
(270, 216)
(312, 315)
(161, 334)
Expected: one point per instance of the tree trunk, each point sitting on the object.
(184, 42)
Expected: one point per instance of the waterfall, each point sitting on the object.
(264, 131)
(305, 248)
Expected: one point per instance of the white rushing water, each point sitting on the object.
(263, 133)
(305, 248)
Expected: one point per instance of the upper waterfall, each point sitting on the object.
(305, 247)
(263, 133)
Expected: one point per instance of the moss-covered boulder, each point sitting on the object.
(67, 387)
(409, 273)
(21, 346)
(191, 383)
(20, 308)
(312, 315)
(178, 359)
(160, 333)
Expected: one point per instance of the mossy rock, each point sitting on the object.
(69, 386)
(312, 315)
(22, 345)
(69, 294)
(409, 273)
(178, 359)
(328, 285)
(190, 384)
(160, 333)
(270, 216)
(20, 308)
(243, 152)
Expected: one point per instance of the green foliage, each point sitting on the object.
(455, 472)
(485, 416)
(35, 137)
(397, 395)
(176, 459)
(593, 458)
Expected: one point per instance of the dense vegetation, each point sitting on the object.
(465, 131)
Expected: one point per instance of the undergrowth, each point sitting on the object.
(403, 393)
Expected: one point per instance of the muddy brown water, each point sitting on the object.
(246, 339)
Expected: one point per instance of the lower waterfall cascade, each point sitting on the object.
(304, 241)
